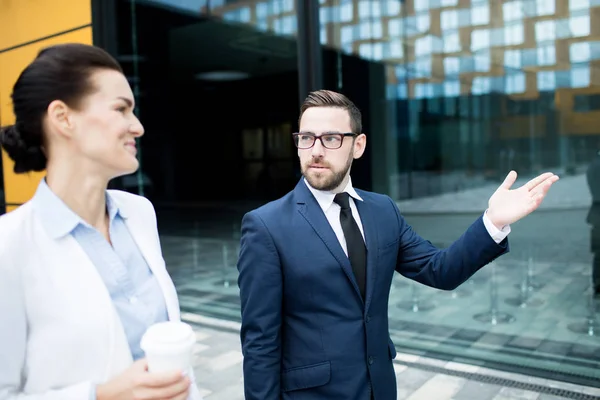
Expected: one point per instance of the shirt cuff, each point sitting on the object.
(496, 234)
(93, 392)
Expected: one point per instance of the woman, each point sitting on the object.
(81, 272)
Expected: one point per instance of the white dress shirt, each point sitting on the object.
(332, 212)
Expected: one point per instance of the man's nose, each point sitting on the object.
(317, 149)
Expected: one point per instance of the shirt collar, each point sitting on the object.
(325, 199)
(57, 218)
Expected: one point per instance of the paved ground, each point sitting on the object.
(219, 372)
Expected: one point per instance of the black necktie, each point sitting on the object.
(357, 252)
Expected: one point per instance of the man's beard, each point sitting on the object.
(328, 183)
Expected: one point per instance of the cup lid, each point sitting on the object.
(169, 332)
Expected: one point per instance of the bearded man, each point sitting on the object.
(316, 266)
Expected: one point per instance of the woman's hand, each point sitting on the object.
(136, 383)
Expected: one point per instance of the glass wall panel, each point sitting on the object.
(455, 94)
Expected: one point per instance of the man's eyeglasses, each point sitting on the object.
(328, 140)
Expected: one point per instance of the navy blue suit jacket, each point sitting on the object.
(306, 331)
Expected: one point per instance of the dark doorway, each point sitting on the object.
(219, 101)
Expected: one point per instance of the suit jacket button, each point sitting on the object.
(370, 360)
(368, 318)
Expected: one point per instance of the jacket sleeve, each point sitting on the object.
(261, 288)
(445, 269)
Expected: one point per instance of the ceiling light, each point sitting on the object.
(222, 76)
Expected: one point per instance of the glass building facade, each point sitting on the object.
(454, 94)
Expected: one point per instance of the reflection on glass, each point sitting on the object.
(478, 89)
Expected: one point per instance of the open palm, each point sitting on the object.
(507, 205)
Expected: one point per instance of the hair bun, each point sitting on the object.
(12, 142)
(26, 158)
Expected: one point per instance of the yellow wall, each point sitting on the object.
(27, 26)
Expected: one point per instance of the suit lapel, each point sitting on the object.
(309, 208)
(367, 217)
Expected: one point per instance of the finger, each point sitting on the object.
(182, 396)
(536, 200)
(164, 379)
(509, 180)
(176, 391)
(543, 187)
(537, 180)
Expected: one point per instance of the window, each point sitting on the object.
(580, 26)
(390, 92)
(512, 58)
(515, 83)
(580, 52)
(285, 25)
(402, 91)
(377, 52)
(371, 51)
(346, 12)
(545, 30)
(365, 50)
(575, 5)
(449, 19)
(423, 46)
(481, 85)
(451, 66)
(262, 10)
(580, 76)
(421, 5)
(422, 68)
(452, 88)
(480, 39)
(546, 80)
(595, 50)
(448, 3)
(452, 42)
(347, 34)
(546, 55)
(323, 36)
(562, 79)
(371, 29)
(482, 61)
(546, 7)
(423, 90)
(480, 15)
(369, 9)
(400, 72)
(512, 11)
(423, 22)
(239, 15)
(396, 49)
(391, 7)
(394, 27)
(513, 34)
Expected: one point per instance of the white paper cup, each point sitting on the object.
(169, 346)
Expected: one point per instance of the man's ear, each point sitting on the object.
(360, 143)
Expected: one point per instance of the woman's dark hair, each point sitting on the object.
(60, 72)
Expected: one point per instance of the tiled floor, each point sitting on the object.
(219, 373)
